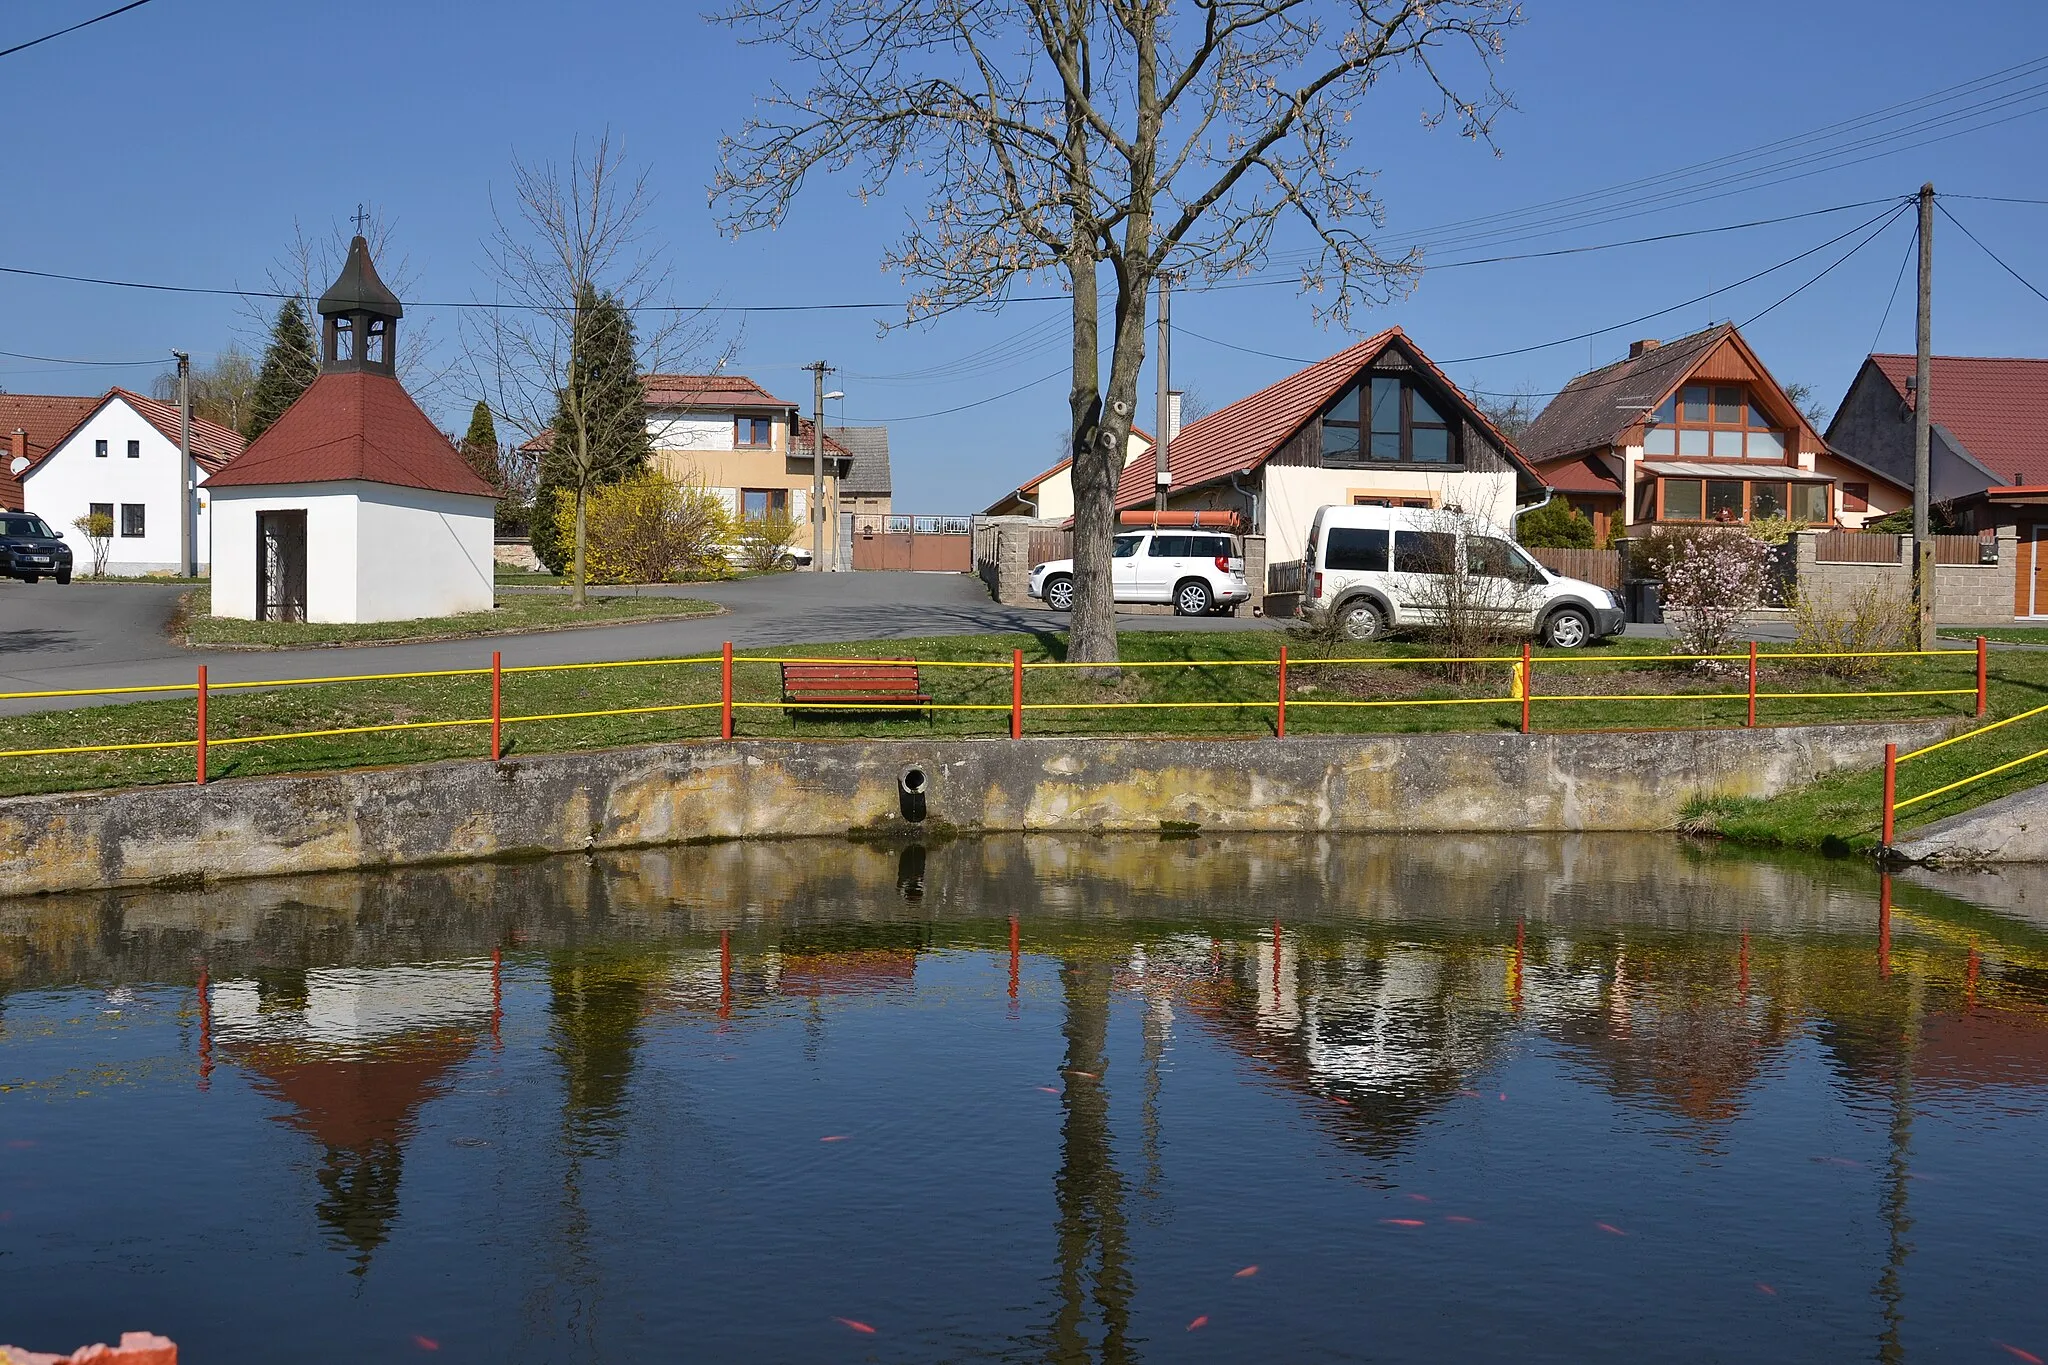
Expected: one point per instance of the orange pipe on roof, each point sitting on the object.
(1152, 521)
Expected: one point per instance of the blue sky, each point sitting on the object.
(179, 142)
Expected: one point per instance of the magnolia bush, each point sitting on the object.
(1711, 583)
(648, 529)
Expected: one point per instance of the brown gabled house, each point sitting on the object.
(1694, 431)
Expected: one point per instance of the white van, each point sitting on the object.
(1385, 569)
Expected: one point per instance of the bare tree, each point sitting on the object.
(1057, 137)
(221, 392)
(570, 258)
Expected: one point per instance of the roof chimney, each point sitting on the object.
(1172, 414)
(17, 447)
(1638, 349)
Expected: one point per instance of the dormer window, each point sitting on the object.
(1387, 419)
(1713, 422)
(753, 433)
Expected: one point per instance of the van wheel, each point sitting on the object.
(1192, 598)
(1361, 619)
(1567, 629)
(1059, 592)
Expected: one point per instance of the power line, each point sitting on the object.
(1992, 254)
(60, 360)
(1911, 242)
(947, 412)
(23, 47)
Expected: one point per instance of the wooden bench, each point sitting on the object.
(871, 685)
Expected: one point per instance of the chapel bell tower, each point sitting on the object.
(359, 319)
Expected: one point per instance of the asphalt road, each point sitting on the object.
(113, 635)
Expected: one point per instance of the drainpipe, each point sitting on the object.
(1257, 505)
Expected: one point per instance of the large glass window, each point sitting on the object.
(1424, 551)
(1810, 503)
(1356, 548)
(1712, 421)
(1766, 500)
(1683, 500)
(1387, 419)
(1724, 500)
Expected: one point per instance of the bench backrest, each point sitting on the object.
(855, 675)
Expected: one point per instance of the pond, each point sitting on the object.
(1290, 1099)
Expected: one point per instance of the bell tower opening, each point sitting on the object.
(359, 318)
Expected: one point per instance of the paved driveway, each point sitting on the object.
(113, 635)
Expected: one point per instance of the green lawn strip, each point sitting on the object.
(515, 612)
(2010, 635)
(1074, 704)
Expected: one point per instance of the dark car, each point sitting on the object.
(29, 549)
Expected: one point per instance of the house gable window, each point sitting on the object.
(135, 450)
(99, 450)
(1388, 419)
(1713, 422)
(753, 433)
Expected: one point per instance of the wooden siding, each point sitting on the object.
(1601, 568)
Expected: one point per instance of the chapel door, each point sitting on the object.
(281, 566)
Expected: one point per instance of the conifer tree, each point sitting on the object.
(480, 446)
(290, 364)
(599, 433)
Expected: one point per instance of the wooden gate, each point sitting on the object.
(913, 544)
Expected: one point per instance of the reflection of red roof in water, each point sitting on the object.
(352, 1101)
(847, 973)
(1982, 1047)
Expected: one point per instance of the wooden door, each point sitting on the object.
(281, 566)
(2030, 573)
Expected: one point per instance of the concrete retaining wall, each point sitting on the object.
(2012, 829)
(668, 794)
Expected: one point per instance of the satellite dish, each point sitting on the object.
(20, 463)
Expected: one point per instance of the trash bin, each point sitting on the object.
(1643, 602)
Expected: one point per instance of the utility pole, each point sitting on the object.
(1923, 371)
(188, 564)
(819, 369)
(1162, 478)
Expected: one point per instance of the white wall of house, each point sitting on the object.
(330, 547)
(691, 433)
(1292, 496)
(374, 552)
(421, 553)
(71, 478)
(1053, 499)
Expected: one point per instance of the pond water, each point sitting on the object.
(1289, 1099)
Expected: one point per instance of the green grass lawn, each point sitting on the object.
(2011, 635)
(1156, 694)
(515, 612)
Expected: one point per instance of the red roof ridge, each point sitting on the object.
(354, 425)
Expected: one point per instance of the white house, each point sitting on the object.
(1376, 423)
(1050, 496)
(352, 506)
(121, 458)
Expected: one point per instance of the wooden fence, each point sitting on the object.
(1601, 568)
(1878, 547)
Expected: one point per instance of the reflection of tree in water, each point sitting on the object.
(361, 1194)
(596, 1000)
(1094, 1251)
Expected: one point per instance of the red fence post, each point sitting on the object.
(1528, 684)
(1983, 677)
(1016, 694)
(199, 750)
(1013, 957)
(1752, 683)
(1280, 720)
(497, 705)
(725, 693)
(1891, 789)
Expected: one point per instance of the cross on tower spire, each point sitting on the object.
(360, 219)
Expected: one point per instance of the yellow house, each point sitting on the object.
(752, 449)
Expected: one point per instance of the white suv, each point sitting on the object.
(1197, 571)
(1383, 569)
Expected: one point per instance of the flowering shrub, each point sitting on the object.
(1711, 583)
(648, 529)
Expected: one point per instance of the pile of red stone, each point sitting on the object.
(136, 1348)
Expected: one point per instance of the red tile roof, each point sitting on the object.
(1996, 406)
(47, 419)
(1238, 438)
(1584, 475)
(353, 425)
(213, 445)
(723, 391)
(802, 444)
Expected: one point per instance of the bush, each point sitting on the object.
(1848, 623)
(646, 529)
(1557, 525)
(763, 542)
(98, 530)
(1714, 580)
(1776, 530)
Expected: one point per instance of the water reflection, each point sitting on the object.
(1378, 989)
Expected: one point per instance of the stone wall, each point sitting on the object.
(671, 794)
(1964, 594)
(1002, 556)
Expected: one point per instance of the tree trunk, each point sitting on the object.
(577, 598)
